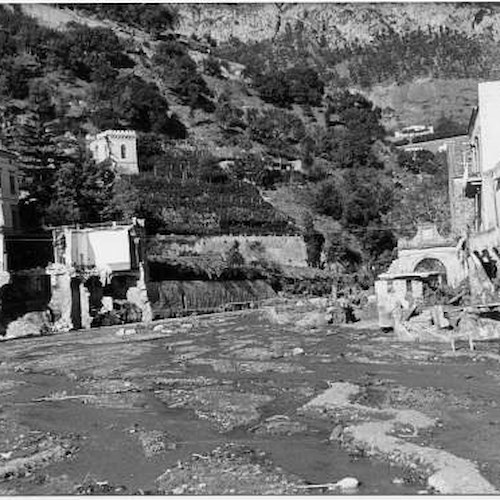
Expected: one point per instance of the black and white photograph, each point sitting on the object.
(249, 249)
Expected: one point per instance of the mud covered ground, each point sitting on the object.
(240, 404)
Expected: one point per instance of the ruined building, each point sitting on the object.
(118, 146)
(430, 259)
(482, 178)
(93, 267)
(9, 197)
(473, 248)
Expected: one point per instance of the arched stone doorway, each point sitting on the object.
(431, 265)
(434, 283)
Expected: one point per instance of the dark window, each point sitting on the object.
(12, 185)
(15, 217)
(124, 151)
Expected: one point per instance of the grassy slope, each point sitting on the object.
(290, 201)
(423, 101)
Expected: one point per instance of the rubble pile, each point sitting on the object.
(446, 324)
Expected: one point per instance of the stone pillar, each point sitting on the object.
(85, 306)
(138, 295)
(384, 304)
(60, 301)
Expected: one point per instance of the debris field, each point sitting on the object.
(249, 402)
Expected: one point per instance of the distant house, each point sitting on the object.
(285, 165)
(119, 146)
(414, 131)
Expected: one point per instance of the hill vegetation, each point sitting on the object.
(211, 140)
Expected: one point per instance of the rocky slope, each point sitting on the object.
(339, 23)
(321, 30)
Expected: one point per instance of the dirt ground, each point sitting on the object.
(237, 404)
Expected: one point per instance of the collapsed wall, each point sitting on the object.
(169, 298)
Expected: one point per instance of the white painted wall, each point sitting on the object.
(102, 248)
(489, 123)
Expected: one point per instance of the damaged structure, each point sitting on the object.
(93, 268)
(9, 199)
(471, 253)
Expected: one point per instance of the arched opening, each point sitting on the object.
(123, 150)
(430, 265)
(437, 280)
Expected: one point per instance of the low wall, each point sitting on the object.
(282, 250)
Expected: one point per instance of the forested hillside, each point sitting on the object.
(220, 117)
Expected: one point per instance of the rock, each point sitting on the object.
(179, 490)
(120, 332)
(336, 433)
(348, 483)
(338, 395)
(318, 301)
(62, 325)
(279, 318)
(31, 324)
(313, 320)
(279, 425)
(398, 480)
(130, 331)
(158, 328)
(139, 297)
(156, 442)
(297, 351)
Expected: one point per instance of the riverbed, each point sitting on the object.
(220, 404)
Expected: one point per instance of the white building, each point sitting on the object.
(482, 175)
(119, 146)
(414, 131)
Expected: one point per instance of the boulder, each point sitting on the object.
(314, 319)
(348, 483)
(32, 324)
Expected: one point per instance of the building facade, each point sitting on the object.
(473, 249)
(482, 177)
(118, 146)
(9, 201)
(93, 266)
